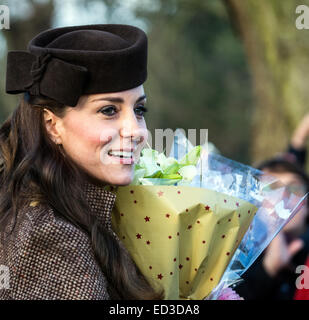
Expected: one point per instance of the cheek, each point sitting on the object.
(79, 130)
(82, 141)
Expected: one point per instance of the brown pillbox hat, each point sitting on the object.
(65, 63)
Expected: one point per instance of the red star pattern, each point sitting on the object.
(167, 215)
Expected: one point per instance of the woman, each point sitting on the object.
(79, 127)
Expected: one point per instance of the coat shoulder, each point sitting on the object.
(51, 258)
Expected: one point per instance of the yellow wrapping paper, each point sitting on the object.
(181, 238)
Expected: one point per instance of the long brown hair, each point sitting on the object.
(33, 166)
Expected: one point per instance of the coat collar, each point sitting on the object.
(101, 202)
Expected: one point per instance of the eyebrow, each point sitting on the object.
(118, 99)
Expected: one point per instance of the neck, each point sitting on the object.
(93, 180)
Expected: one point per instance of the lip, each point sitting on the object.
(126, 160)
(123, 160)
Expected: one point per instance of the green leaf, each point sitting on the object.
(171, 176)
(157, 174)
(172, 169)
(192, 157)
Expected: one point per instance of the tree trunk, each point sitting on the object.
(279, 60)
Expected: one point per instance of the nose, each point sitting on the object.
(131, 128)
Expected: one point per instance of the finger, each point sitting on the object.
(295, 246)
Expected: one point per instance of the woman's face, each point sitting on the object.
(104, 134)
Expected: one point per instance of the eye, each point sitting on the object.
(108, 110)
(140, 110)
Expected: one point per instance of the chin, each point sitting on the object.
(112, 178)
(121, 181)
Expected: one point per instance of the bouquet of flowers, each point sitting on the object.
(194, 222)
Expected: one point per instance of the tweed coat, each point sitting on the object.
(51, 259)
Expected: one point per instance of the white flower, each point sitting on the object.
(165, 162)
(153, 164)
(139, 173)
(149, 165)
(150, 153)
(188, 172)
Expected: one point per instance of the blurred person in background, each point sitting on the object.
(273, 276)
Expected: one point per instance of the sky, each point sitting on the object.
(69, 13)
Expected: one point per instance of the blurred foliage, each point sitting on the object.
(198, 75)
(27, 18)
(278, 57)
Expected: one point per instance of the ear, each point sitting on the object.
(53, 126)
